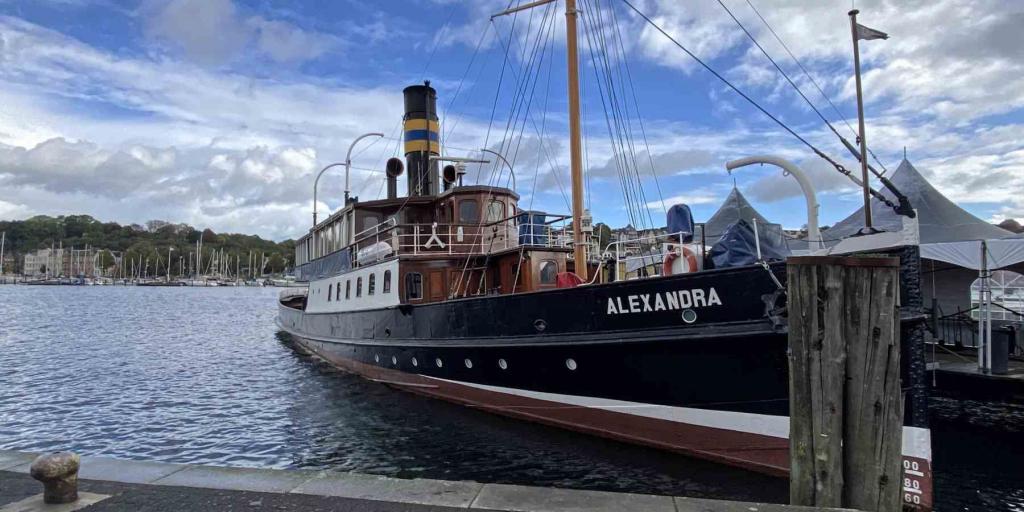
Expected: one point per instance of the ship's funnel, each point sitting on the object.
(421, 139)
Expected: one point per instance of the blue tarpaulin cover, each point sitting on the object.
(532, 230)
(332, 264)
(680, 220)
(737, 246)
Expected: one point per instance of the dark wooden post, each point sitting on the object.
(846, 408)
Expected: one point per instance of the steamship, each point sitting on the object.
(454, 291)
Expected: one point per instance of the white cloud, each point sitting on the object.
(198, 140)
(703, 195)
(284, 42)
(214, 32)
(208, 31)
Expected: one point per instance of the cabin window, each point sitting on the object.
(348, 289)
(387, 281)
(469, 211)
(371, 284)
(337, 291)
(370, 221)
(548, 271)
(329, 288)
(359, 287)
(495, 211)
(413, 286)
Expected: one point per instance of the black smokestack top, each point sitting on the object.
(421, 139)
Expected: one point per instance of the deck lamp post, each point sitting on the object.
(502, 158)
(348, 157)
(347, 164)
(316, 182)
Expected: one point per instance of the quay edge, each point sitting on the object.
(294, 488)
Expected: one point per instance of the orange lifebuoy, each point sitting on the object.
(690, 260)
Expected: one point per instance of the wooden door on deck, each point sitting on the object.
(435, 287)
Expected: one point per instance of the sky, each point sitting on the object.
(219, 113)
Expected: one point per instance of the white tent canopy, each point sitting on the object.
(939, 219)
(734, 208)
(999, 253)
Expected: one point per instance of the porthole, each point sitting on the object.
(415, 362)
(376, 358)
(394, 360)
(438, 362)
(469, 364)
(570, 363)
(502, 364)
(689, 316)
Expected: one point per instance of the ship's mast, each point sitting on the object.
(575, 145)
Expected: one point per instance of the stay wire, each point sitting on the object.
(616, 152)
(497, 91)
(601, 96)
(544, 149)
(520, 104)
(839, 167)
(472, 60)
(624, 81)
(813, 82)
(612, 120)
(640, 120)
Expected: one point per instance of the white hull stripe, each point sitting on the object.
(916, 441)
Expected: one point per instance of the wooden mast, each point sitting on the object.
(575, 147)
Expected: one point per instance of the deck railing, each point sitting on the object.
(637, 255)
(390, 238)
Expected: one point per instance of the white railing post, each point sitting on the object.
(618, 274)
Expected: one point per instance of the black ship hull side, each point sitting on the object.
(605, 360)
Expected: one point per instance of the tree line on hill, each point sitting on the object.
(148, 244)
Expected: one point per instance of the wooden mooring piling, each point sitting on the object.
(846, 407)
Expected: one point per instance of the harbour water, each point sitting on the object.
(201, 375)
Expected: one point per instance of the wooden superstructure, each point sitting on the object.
(466, 241)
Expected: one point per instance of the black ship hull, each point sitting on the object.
(693, 363)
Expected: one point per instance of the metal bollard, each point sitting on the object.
(58, 471)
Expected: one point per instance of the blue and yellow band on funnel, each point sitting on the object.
(421, 135)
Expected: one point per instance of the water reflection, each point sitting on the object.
(202, 376)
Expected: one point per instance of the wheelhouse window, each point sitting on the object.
(413, 286)
(370, 221)
(469, 211)
(548, 271)
(337, 291)
(329, 288)
(387, 281)
(495, 211)
(371, 284)
(359, 287)
(348, 289)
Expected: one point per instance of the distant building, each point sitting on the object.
(42, 262)
(79, 262)
(60, 262)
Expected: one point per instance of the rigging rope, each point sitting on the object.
(814, 82)
(902, 208)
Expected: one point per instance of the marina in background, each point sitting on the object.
(132, 387)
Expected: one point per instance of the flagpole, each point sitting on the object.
(860, 119)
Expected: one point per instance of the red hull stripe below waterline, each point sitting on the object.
(753, 441)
